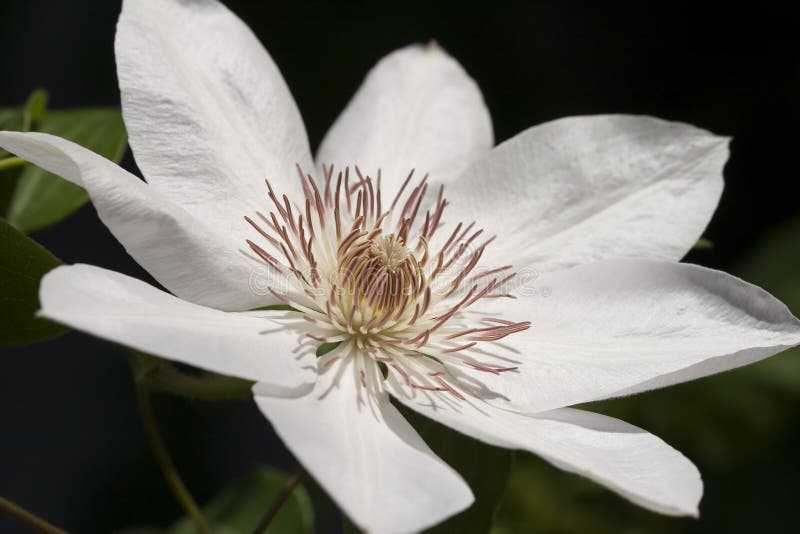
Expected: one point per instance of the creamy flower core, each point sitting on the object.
(380, 273)
(387, 284)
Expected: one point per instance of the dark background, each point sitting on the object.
(71, 445)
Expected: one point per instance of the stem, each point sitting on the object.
(212, 387)
(167, 467)
(159, 375)
(279, 501)
(11, 162)
(36, 523)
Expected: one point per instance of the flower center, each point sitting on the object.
(390, 252)
(380, 274)
(372, 281)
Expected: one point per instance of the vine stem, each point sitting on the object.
(279, 501)
(158, 375)
(24, 516)
(165, 462)
(11, 162)
(210, 387)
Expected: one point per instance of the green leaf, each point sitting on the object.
(485, 468)
(703, 244)
(10, 119)
(325, 348)
(18, 119)
(239, 507)
(33, 112)
(40, 198)
(23, 262)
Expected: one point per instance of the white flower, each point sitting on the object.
(411, 280)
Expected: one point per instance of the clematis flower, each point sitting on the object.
(486, 288)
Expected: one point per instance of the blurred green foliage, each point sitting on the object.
(10, 119)
(740, 428)
(239, 508)
(485, 468)
(32, 198)
(23, 262)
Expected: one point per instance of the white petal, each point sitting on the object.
(368, 458)
(193, 259)
(582, 189)
(208, 113)
(418, 109)
(620, 327)
(128, 311)
(626, 459)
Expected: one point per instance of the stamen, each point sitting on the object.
(357, 279)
